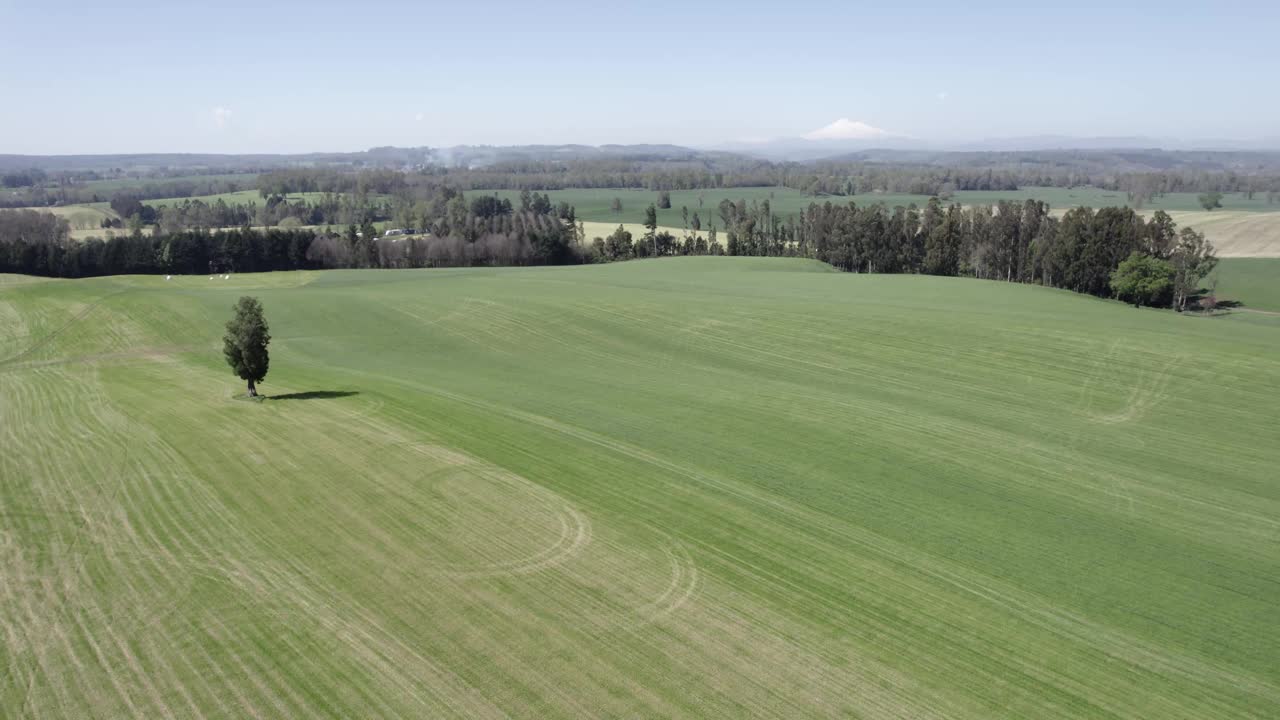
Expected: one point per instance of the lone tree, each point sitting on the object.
(1211, 200)
(245, 344)
(651, 226)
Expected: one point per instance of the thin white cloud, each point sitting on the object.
(221, 116)
(420, 117)
(942, 96)
(846, 129)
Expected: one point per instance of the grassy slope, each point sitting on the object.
(1252, 281)
(678, 487)
(88, 216)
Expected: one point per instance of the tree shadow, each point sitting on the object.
(314, 395)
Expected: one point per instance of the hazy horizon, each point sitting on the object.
(297, 78)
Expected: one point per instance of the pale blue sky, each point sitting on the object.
(79, 77)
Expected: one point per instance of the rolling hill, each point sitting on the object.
(697, 487)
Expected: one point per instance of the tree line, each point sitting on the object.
(39, 193)
(1014, 242)
(36, 243)
(1084, 250)
(992, 172)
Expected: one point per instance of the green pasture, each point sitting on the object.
(695, 487)
(1254, 282)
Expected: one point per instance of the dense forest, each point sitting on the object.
(36, 243)
(845, 178)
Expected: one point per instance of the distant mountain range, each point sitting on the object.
(799, 149)
(1136, 154)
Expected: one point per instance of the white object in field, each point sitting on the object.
(210, 277)
(168, 277)
(224, 277)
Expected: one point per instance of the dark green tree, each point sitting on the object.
(1211, 200)
(618, 245)
(664, 200)
(245, 344)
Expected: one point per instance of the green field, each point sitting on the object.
(1252, 281)
(108, 186)
(698, 487)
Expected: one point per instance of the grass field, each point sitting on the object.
(702, 487)
(1252, 281)
(107, 186)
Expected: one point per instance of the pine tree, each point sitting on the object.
(245, 344)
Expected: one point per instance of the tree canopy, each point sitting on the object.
(1142, 280)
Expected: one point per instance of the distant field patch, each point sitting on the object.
(117, 184)
(88, 216)
(605, 229)
(1236, 234)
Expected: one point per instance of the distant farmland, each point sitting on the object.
(689, 487)
(107, 186)
(242, 197)
(1242, 228)
(594, 203)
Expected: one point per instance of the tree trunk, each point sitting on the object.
(253, 390)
